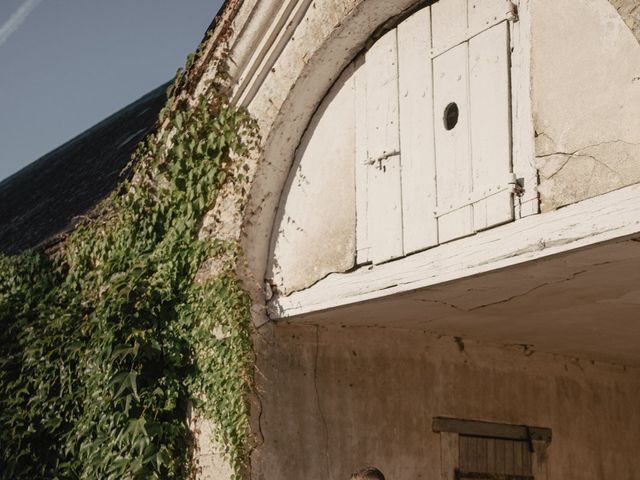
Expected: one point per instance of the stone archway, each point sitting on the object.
(629, 10)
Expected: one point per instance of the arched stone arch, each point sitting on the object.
(629, 10)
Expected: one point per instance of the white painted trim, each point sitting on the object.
(607, 217)
(278, 32)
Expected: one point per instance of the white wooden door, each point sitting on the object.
(471, 116)
(433, 129)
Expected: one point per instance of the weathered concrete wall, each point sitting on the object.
(211, 463)
(586, 98)
(315, 231)
(336, 399)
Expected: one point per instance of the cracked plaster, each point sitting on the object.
(586, 98)
(379, 389)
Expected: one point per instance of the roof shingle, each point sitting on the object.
(41, 201)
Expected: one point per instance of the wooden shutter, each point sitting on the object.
(416, 133)
(420, 178)
(471, 449)
(494, 458)
(473, 156)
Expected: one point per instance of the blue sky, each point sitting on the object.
(67, 64)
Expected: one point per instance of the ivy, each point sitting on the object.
(108, 344)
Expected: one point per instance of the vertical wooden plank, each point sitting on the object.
(490, 126)
(491, 455)
(483, 13)
(464, 449)
(384, 187)
(449, 23)
(481, 453)
(527, 462)
(475, 454)
(453, 156)
(420, 228)
(385, 204)
(382, 97)
(517, 459)
(508, 455)
(471, 454)
(361, 168)
(449, 455)
(500, 456)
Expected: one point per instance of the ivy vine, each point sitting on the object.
(107, 344)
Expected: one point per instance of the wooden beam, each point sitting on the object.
(491, 430)
(612, 216)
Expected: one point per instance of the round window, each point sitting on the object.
(451, 114)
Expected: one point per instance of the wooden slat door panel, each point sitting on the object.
(385, 205)
(383, 134)
(490, 126)
(416, 133)
(449, 23)
(453, 152)
(383, 147)
(361, 164)
(493, 457)
(420, 183)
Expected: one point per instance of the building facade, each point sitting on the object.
(442, 236)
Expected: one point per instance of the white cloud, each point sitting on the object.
(17, 19)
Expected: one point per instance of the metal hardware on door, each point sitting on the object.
(511, 186)
(512, 12)
(379, 160)
(510, 15)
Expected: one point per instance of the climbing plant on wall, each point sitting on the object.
(108, 343)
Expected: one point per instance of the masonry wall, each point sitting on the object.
(332, 400)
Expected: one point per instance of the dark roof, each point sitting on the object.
(41, 201)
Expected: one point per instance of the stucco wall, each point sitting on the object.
(336, 399)
(586, 98)
(315, 230)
